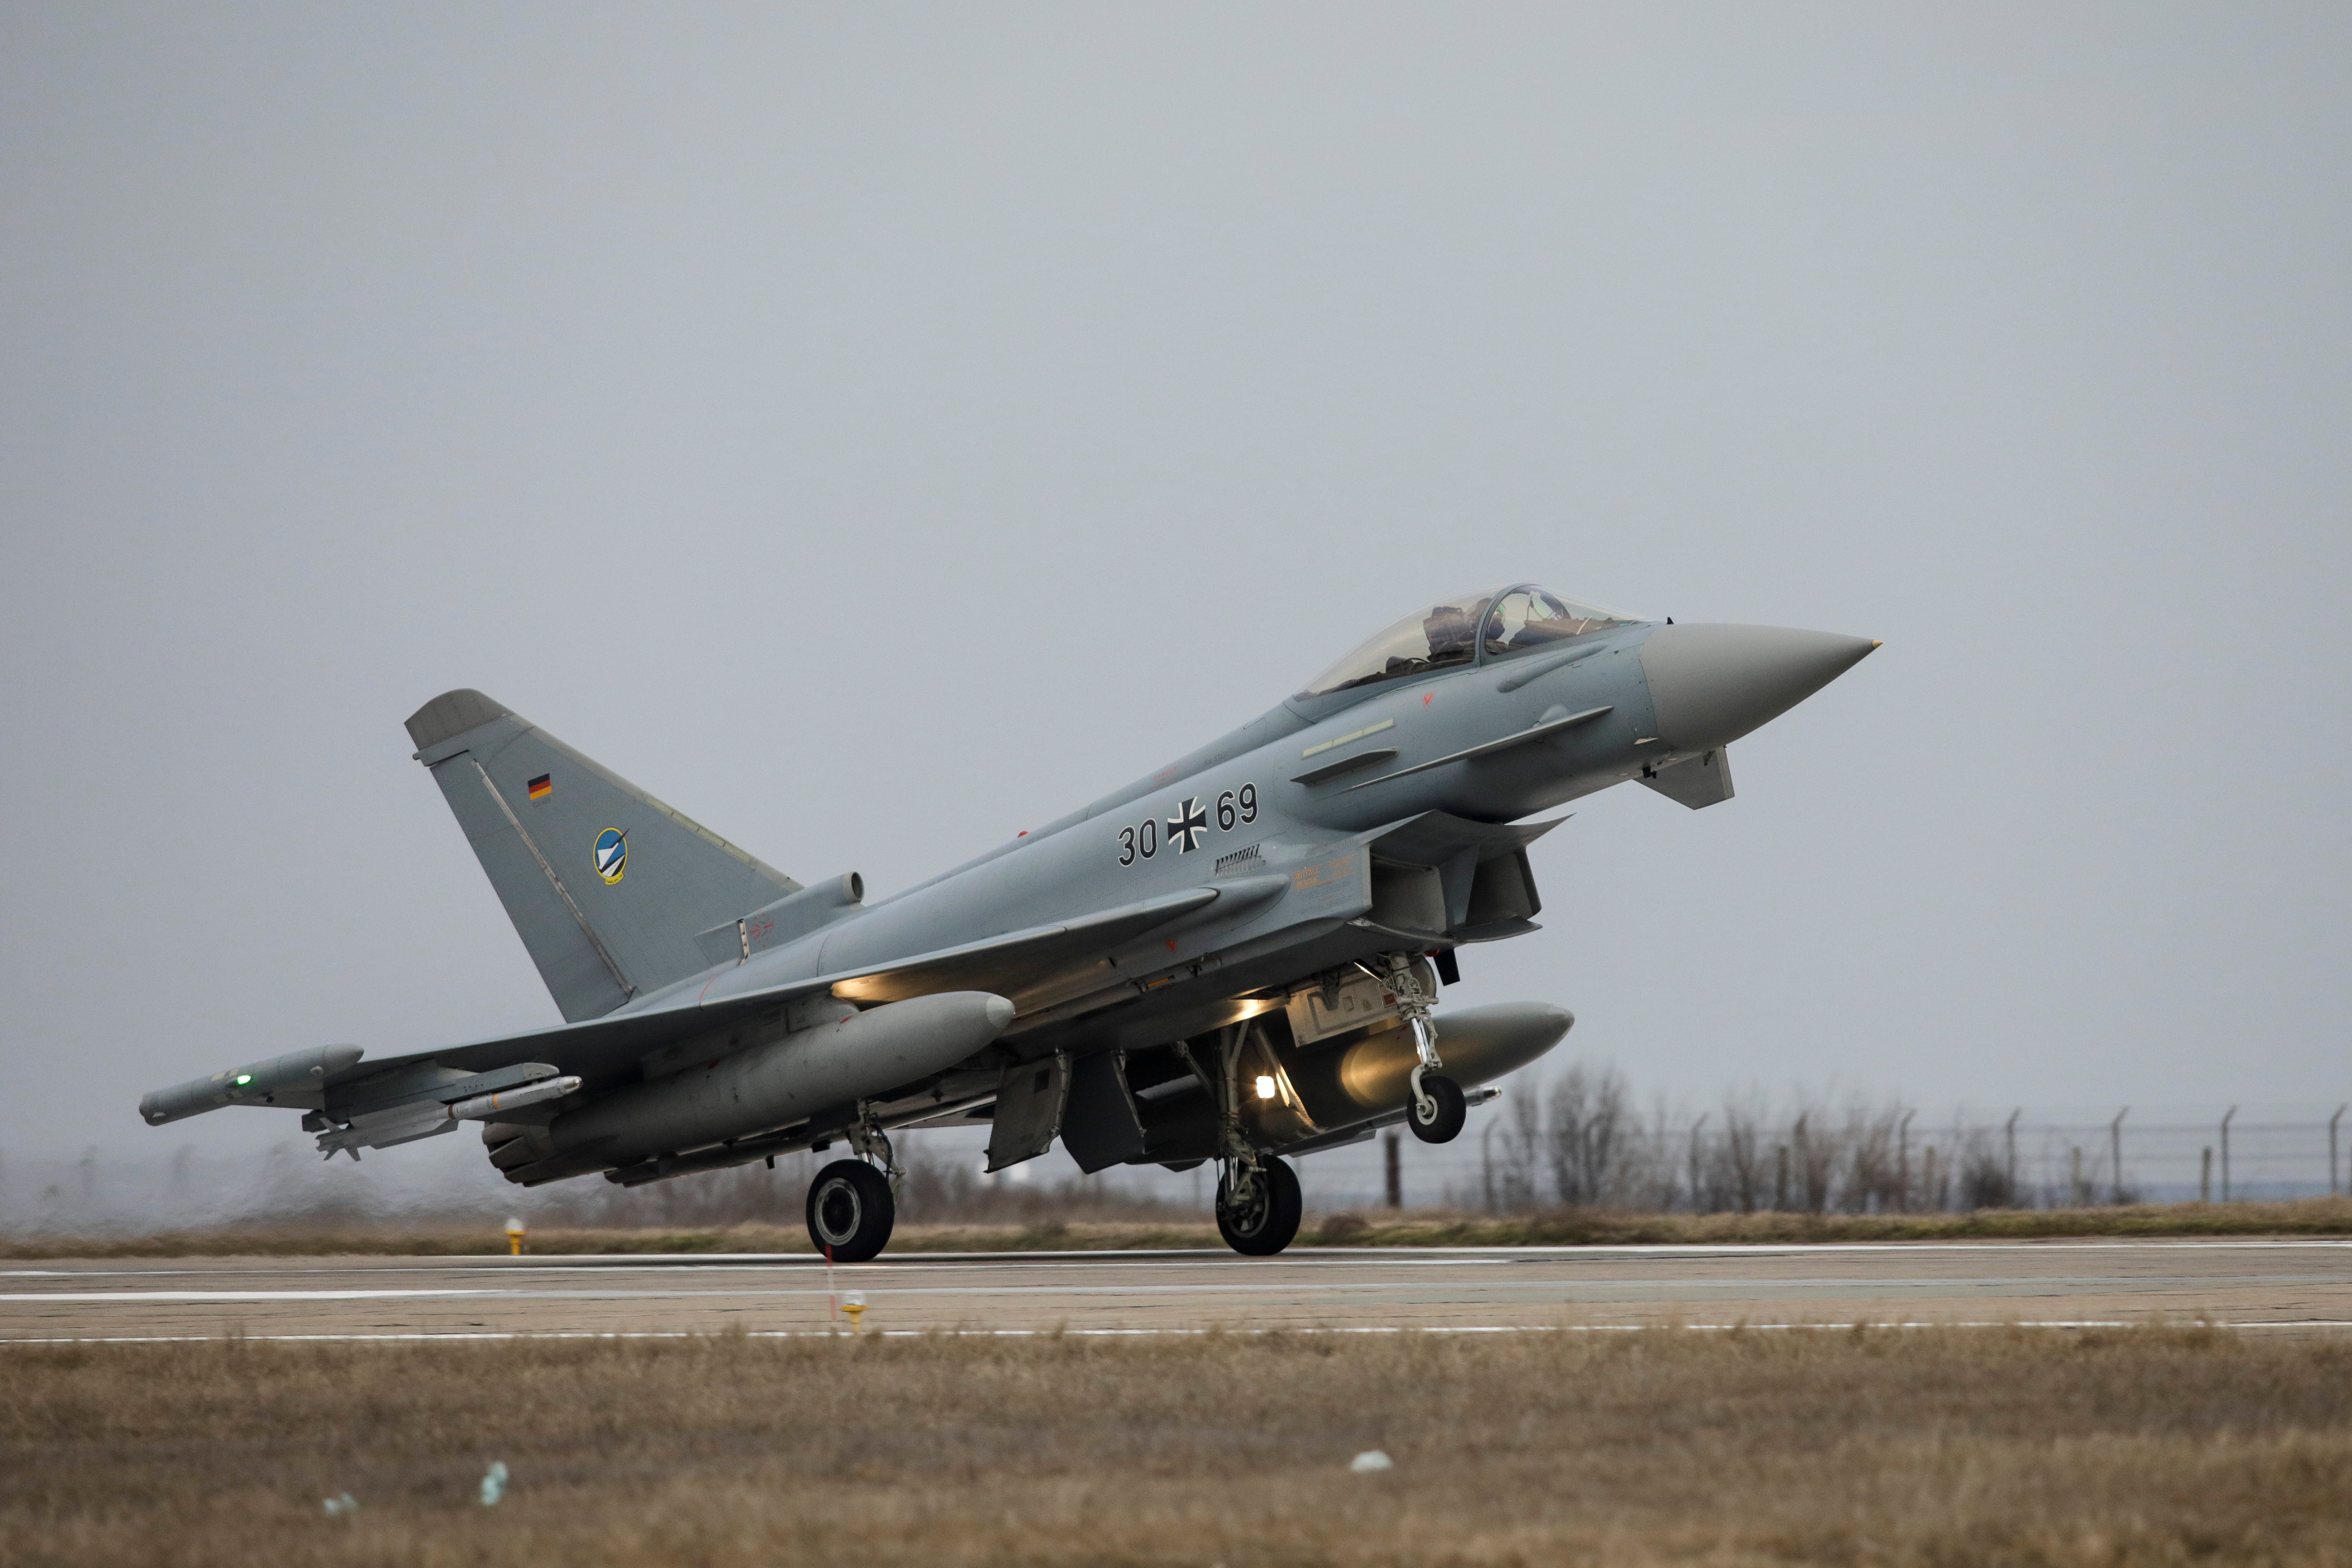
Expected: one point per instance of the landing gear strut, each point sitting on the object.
(1438, 1108)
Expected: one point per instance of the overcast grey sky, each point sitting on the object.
(877, 430)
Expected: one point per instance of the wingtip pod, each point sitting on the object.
(258, 1083)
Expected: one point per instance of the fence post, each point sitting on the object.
(2225, 1152)
(1781, 1182)
(2331, 1149)
(1394, 1170)
(1902, 1163)
(1927, 1180)
(2009, 1134)
(2205, 1177)
(1697, 1199)
(2115, 1155)
(2076, 1195)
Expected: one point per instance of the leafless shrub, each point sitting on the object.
(1985, 1179)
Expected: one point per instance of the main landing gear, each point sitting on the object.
(853, 1204)
(1258, 1209)
(1257, 1195)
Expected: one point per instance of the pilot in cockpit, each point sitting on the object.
(1449, 630)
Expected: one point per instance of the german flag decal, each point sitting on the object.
(540, 787)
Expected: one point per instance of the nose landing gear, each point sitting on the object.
(1438, 1107)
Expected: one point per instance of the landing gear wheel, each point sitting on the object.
(851, 1211)
(1437, 1113)
(1262, 1224)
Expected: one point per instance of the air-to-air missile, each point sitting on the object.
(1235, 959)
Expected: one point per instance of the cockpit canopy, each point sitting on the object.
(1512, 621)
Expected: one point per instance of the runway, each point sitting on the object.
(2281, 1285)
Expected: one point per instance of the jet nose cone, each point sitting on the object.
(1709, 685)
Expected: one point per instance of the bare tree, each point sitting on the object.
(1587, 1136)
(1512, 1149)
(1737, 1181)
(1816, 1157)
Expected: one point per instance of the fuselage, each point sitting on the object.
(1282, 794)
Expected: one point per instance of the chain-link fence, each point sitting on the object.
(1583, 1140)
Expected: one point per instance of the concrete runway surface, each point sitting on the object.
(2280, 1285)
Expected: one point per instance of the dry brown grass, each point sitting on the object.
(2303, 1216)
(1945, 1447)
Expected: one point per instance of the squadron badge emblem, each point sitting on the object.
(611, 853)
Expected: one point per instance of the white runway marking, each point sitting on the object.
(1152, 1334)
(1244, 1286)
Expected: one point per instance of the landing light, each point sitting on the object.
(243, 1079)
(1264, 1087)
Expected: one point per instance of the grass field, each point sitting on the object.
(2150, 1446)
(2306, 1217)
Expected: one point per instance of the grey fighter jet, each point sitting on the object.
(1237, 958)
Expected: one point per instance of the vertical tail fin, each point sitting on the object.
(606, 885)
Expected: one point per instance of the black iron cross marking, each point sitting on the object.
(1191, 821)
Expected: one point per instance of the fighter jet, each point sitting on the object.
(1235, 959)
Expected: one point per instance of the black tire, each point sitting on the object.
(1446, 1099)
(850, 1210)
(1267, 1226)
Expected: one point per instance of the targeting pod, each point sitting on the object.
(271, 1082)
